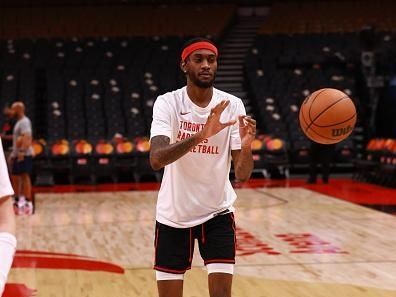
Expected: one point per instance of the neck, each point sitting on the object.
(200, 96)
(20, 116)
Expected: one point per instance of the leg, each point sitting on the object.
(326, 159)
(170, 287)
(325, 172)
(312, 173)
(313, 165)
(15, 180)
(26, 169)
(174, 248)
(28, 207)
(217, 247)
(26, 186)
(220, 284)
(7, 239)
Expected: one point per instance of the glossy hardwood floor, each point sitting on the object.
(291, 242)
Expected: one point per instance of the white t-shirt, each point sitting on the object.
(5, 184)
(23, 126)
(196, 186)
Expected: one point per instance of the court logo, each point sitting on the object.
(296, 243)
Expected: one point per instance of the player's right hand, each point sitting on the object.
(213, 124)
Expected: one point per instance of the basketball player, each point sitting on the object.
(21, 156)
(7, 222)
(196, 131)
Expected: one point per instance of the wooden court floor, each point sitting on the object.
(291, 242)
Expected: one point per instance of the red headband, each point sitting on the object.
(196, 46)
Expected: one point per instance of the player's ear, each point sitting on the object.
(183, 66)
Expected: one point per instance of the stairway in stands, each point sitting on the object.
(233, 49)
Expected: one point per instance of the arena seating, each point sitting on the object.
(270, 155)
(114, 21)
(283, 69)
(91, 82)
(379, 162)
(84, 161)
(90, 88)
(329, 16)
(87, 79)
(302, 47)
(89, 73)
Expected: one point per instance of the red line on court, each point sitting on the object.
(356, 192)
(18, 290)
(30, 253)
(57, 261)
(343, 188)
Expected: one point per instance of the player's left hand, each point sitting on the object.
(247, 130)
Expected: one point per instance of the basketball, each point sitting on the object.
(327, 116)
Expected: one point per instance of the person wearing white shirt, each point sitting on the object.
(7, 222)
(22, 160)
(196, 132)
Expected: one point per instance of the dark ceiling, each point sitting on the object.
(46, 3)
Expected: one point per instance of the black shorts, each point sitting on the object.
(24, 166)
(174, 247)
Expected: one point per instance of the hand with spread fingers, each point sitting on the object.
(213, 124)
(247, 130)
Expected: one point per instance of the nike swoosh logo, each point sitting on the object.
(184, 113)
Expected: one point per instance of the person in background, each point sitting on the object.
(21, 157)
(320, 154)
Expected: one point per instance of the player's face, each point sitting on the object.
(17, 109)
(201, 67)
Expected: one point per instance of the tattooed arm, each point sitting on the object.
(243, 163)
(163, 153)
(243, 159)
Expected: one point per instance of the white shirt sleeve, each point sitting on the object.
(5, 184)
(25, 127)
(235, 137)
(161, 124)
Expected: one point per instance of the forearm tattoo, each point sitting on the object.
(162, 153)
